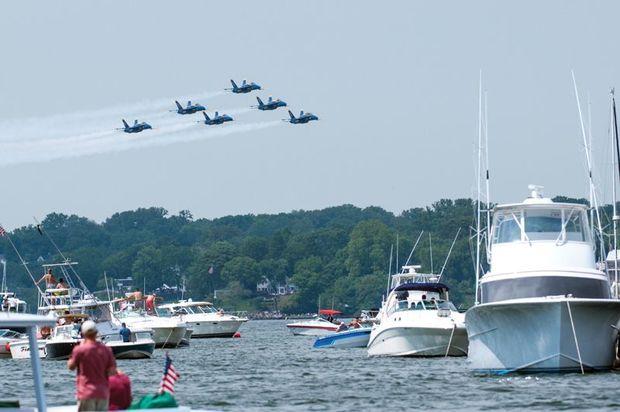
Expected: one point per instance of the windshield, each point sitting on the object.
(533, 224)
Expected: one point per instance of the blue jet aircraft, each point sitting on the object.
(217, 119)
(135, 128)
(190, 109)
(270, 105)
(244, 88)
(303, 117)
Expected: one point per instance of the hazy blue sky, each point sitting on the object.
(394, 83)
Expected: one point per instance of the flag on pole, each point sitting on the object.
(2, 231)
(169, 378)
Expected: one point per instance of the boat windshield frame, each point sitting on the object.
(553, 222)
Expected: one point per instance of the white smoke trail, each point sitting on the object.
(92, 121)
(111, 141)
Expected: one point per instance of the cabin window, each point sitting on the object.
(555, 224)
(507, 228)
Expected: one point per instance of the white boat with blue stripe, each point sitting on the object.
(351, 338)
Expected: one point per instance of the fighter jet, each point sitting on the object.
(270, 105)
(217, 119)
(135, 128)
(190, 109)
(303, 117)
(244, 88)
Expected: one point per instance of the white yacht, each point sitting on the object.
(544, 305)
(418, 319)
(167, 332)
(202, 318)
(8, 336)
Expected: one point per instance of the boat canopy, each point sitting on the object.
(425, 287)
(328, 312)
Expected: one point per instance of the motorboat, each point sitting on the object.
(321, 325)
(7, 336)
(187, 338)
(140, 345)
(202, 318)
(544, 304)
(350, 338)
(168, 332)
(418, 319)
(60, 345)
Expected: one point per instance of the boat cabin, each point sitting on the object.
(10, 303)
(420, 296)
(409, 274)
(187, 307)
(541, 248)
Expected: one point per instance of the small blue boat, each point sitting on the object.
(352, 338)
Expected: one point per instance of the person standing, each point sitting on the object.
(125, 333)
(94, 363)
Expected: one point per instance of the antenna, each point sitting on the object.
(3, 288)
(449, 252)
(397, 267)
(487, 177)
(105, 277)
(413, 248)
(615, 211)
(387, 289)
(478, 171)
(430, 246)
(593, 200)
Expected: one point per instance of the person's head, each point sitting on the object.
(61, 280)
(67, 312)
(123, 325)
(137, 289)
(49, 271)
(89, 329)
(423, 297)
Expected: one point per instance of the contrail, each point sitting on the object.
(43, 150)
(92, 121)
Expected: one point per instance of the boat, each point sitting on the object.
(166, 332)
(20, 349)
(140, 346)
(202, 318)
(418, 319)
(321, 325)
(544, 305)
(60, 345)
(351, 338)
(7, 336)
(187, 338)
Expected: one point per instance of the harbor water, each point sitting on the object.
(269, 369)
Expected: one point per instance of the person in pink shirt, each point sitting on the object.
(94, 363)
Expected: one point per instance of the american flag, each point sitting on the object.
(2, 231)
(170, 376)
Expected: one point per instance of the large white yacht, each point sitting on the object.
(167, 332)
(544, 305)
(203, 318)
(418, 319)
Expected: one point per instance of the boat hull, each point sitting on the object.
(301, 330)
(132, 350)
(536, 335)
(352, 338)
(60, 350)
(214, 329)
(418, 341)
(168, 337)
(21, 349)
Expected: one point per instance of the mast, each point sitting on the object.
(487, 177)
(615, 217)
(3, 288)
(593, 200)
(478, 186)
(387, 289)
(430, 247)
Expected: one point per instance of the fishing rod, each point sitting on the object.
(449, 252)
(414, 247)
(44, 232)
(24, 264)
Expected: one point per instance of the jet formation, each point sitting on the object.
(217, 119)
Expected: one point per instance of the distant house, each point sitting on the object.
(266, 287)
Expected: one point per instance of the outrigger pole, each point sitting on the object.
(615, 217)
(478, 178)
(25, 265)
(449, 253)
(44, 232)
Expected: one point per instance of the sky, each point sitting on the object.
(395, 85)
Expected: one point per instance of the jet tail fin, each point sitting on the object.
(234, 85)
(178, 105)
(260, 102)
(125, 123)
(291, 114)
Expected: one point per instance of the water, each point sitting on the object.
(269, 369)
